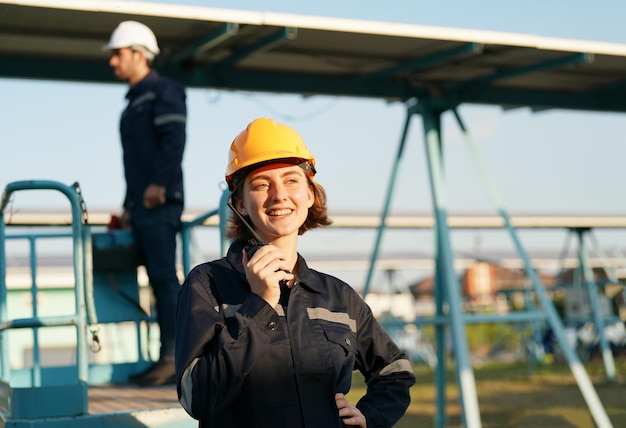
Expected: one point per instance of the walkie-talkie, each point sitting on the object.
(253, 245)
(255, 242)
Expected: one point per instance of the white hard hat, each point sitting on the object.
(133, 34)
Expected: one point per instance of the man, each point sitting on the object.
(153, 134)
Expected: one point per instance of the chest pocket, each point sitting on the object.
(342, 350)
(341, 345)
(339, 331)
(340, 335)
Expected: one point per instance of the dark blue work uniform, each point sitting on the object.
(153, 133)
(242, 363)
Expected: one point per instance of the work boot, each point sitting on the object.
(161, 373)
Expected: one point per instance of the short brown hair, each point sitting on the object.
(317, 217)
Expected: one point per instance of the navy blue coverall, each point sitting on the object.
(153, 134)
(242, 363)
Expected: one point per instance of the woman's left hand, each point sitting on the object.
(349, 414)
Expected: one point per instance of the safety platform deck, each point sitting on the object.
(124, 398)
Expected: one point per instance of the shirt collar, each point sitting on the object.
(140, 86)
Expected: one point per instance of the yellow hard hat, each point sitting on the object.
(265, 141)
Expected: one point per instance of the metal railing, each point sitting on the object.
(83, 296)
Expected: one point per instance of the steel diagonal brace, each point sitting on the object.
(262, 45)
(206, 43)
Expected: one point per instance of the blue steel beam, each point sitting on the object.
(592, 291)
(527, 69)
(294, 83)
(205, 43)
(428, 61)
(602, 99)
(35, 313)
(35, 321)
(442, 320)
(398, 90)
(441, 374)
(441, 297)
(610, 272)
(613, 99)
(447, 278)
(383, 218)
(224, 214)
(5, 368)
(267, 43)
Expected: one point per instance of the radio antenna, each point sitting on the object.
(242, 218)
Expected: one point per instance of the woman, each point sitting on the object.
(262, 339)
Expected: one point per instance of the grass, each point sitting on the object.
(511, 395)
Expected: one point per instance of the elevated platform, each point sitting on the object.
(120, 406)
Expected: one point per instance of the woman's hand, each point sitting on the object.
(349, 414)
(265, 270)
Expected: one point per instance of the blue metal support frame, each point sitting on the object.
(447, 286)
(447, 279)
(185, 236)
(582, 378)
(186, 228)
(610, 272)
(592, 290)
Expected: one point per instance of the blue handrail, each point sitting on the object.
(83, 295)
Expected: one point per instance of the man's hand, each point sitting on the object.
(154, 196)
(348, 413)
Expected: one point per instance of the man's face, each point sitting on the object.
(125, 63)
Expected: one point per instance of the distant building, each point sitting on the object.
(484, 286)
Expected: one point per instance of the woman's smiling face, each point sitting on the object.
(277, 198)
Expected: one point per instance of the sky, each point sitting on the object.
(552, 162)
